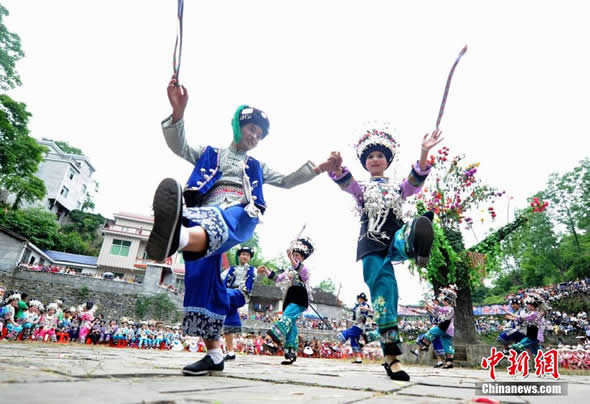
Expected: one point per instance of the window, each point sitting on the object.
(78, 205)
(72, 173)
(84, 188)
(64, 192)
(120, 247)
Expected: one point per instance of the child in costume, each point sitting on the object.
(121, 333)
(158, 335)
(224, 202)
(48, 324)
(284, 331)
(533, 321)
(87, 311)
(32, 320)
(239, 281)
(109, 332)
(360, 313)
(445, 330)
(384, 239)
(514, 330)
(144, 336)
(74, 332)
(437, 343)
(132, 336)
(9, 310)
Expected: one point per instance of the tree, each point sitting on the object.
(88, 203)
(10, 53)
(327, 285)
(37, 225)
(20, 155)
(455, 190)
(42, 229)
(29, 188)
(570, 199)
(87, 225)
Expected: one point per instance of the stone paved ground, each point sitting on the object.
(52, 373)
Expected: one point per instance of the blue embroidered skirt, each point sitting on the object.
(206, 300)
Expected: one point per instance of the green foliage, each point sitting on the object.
(35, 224)
(87, 226)
(66, 147)
(572, 304)
(495, 299)
(29, 188)
(42, 229)
(20, 154)
(441, 267)
(10, 53)
(327, 285)
(158, 307)
(83, 292)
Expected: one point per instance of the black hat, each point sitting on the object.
(362, 296)
(246, 114)
(244, 249)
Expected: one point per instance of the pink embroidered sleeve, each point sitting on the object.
(348, 184)
(413, 184)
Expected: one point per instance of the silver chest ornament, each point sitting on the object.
(379, 199)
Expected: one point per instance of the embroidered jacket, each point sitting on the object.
(379, 202)
(236, 278)
(360, 312)
(219, 176)
(297, 291)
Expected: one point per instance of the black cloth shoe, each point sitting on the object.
(357, 361)
(290, 357)
(448, 364)
(165, 234)
(420, 240)
(202, 367)
(229, 357)
(399, 375)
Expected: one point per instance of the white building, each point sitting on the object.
(123, 250)
(67, 178)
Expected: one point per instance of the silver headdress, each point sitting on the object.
(302, 245)
(377, 136)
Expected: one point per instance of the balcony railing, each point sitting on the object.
(138, 231)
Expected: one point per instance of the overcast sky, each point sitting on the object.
(95, 75)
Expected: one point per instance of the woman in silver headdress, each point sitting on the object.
(384, 238)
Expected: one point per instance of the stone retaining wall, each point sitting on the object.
(115, 299)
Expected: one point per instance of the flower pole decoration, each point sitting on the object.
(456, 190)
(538, 206)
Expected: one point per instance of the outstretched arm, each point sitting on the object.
(173, 126)
(304, 174)
(421, 169)
(343, 177)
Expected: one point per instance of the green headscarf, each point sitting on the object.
(235, 123)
